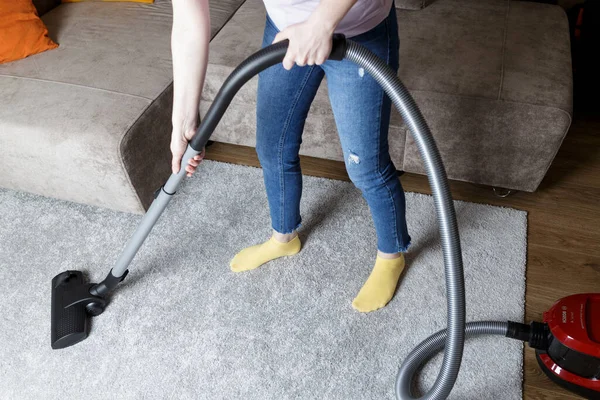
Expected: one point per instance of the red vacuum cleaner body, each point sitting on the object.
(572, 357)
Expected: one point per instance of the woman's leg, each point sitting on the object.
(283, 100)
(362, 114)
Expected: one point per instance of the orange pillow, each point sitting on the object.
(22, 32)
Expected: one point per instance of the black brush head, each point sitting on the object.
(69, 325)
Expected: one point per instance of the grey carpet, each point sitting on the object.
(182, 326)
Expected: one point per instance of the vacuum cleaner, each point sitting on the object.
(567, 342)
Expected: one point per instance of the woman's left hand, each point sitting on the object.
(310, 42)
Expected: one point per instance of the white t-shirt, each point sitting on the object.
(362, 17)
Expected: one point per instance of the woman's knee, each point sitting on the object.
(367, 176)
(265, 150)
(362, 175)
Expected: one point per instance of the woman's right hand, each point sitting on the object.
(179, 142)
(189, 47)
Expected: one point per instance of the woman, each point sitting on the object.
(285, 93)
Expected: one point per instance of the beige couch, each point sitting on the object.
(90, 121)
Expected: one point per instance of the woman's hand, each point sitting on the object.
(190, 36)
(310, 41)
(179, 142)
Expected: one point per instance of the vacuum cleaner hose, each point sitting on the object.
(455, 286)
(432, 345)
(388, 79)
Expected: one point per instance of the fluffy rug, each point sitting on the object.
(183, 326)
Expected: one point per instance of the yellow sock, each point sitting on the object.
(381, 285)
(255, 256)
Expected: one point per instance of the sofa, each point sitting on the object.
(90, 121)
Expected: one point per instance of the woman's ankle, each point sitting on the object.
(388, 256)
(284, 237)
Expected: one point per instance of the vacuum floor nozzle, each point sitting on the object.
(72, 308)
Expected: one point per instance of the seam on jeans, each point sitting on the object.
(281, 142)
(383, 94)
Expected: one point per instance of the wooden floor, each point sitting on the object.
(563, 225)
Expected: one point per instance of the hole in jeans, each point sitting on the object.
(353, 159)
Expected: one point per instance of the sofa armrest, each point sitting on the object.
(413, 4)
(43, 6)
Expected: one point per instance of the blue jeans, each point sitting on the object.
(362, 115)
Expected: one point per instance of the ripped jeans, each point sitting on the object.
(362, 114)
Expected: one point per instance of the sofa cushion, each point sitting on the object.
(494, 81)
(488, 48)
(68, 150)
(412, 4)
(452, 47)
(537, 57)
(121, 47)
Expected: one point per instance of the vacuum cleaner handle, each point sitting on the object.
(254, 64)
